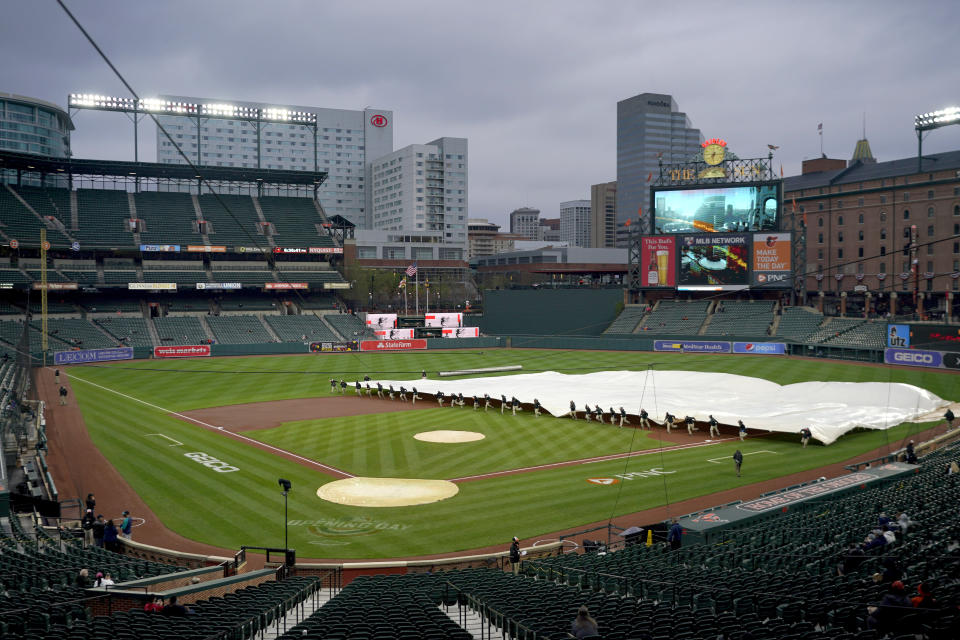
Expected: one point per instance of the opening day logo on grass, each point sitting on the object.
(602, 481)
(332, 531)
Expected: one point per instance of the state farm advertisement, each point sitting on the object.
(382, 320)
(771, 260)
(182, 351)
(394, 334)
(461, 332)
(392, 345)
(443, 320)
(658, 261)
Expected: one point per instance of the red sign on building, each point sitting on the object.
(182, 351)
(379, 120)
(392, 345)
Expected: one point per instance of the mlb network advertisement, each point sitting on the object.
(711, 262)
(771, 260)
(658, 259)
(717, 210)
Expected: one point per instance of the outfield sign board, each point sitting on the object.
(206, 248)
(318, 347)
(337, 250)
(443, 320)
(691, 346)
(392, 345)
(285, 285)
(160, 247)
(394, 334)
(56, 286)
(182, 351)
(252, 249)
(382, 320)
(923, 358)
(217, 286)
(898, 336)
(763, 348)
(336, 285)
(93, 355)
(461, 332)
(152, 286)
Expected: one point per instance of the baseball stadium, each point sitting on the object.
(222, 419)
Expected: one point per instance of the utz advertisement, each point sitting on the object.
(394, 334)
(658, 257)
(393, 345)
(712, 262)
(461, 332)
(93, 355)
(382, 320)
(898, 336)
(182, 351)
(443, 320)
(771, 260)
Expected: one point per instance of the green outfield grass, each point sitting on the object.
(245, 506)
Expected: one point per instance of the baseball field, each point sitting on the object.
(208, 469)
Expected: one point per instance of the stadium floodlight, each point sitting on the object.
(933, 120)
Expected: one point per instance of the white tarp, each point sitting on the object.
(830, 409)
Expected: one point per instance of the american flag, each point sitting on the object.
(412, 270)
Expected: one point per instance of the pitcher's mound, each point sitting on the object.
(386, 492)
(447, 437)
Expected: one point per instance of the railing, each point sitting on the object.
(494, 618)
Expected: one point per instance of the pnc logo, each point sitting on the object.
(379, 120)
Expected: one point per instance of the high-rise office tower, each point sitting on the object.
(524, 222)
(603, 215)
(650, 128)
(347, 142)
(575, 222)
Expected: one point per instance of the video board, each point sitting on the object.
(713, 262)
(944, 337)
(728, 209)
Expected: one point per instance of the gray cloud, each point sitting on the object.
(532, 85)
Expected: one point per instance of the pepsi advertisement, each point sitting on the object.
(761, 348)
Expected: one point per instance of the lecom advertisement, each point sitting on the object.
(394, 334)
(382, 320)
(182, 351)
(658, 258)
(462, 332)
(443, 320)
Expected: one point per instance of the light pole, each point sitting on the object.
(285, 484)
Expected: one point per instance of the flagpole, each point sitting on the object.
(404, 281)
(418, 292)
(427, 287)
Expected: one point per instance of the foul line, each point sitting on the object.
(176, 443)
(613, 456)
(214, 428)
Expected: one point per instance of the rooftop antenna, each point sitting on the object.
(864, 125)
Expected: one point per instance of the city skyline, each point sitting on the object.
(536, 96)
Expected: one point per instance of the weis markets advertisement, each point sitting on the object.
(182, 351)
(392, 345)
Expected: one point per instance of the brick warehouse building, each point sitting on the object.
(857, 217)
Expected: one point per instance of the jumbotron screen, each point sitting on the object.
(733, 209)
(711, 262)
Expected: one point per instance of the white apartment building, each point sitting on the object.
(422, 189)
(347, 142)
(575, 223)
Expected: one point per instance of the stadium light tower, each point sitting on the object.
(933, 120)
(196, 111)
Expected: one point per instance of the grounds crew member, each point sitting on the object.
(738, 460)
(644, 422)
(343, 386)
(439, 397)
(503, 403)
(805, 436)
(460, 400)
(515, 555)
(743, 429)
(691, 425)
(714, 427)
(668, 421)
(391, 392)
(333, 385)
(357, 388)
(514, 404)
(949, 417)
(623, 417)
(63, 395)
(536, 407)
(587, 412)
(415, 396)
(573, 410)
(380, 391)
(369, 390)
(598, 414)
(486, 402)
(403, 394)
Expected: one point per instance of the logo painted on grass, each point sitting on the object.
(649, 473)
(210, 462)
(336, 531)
(602, 481)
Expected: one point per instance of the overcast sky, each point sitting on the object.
(532, 85)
